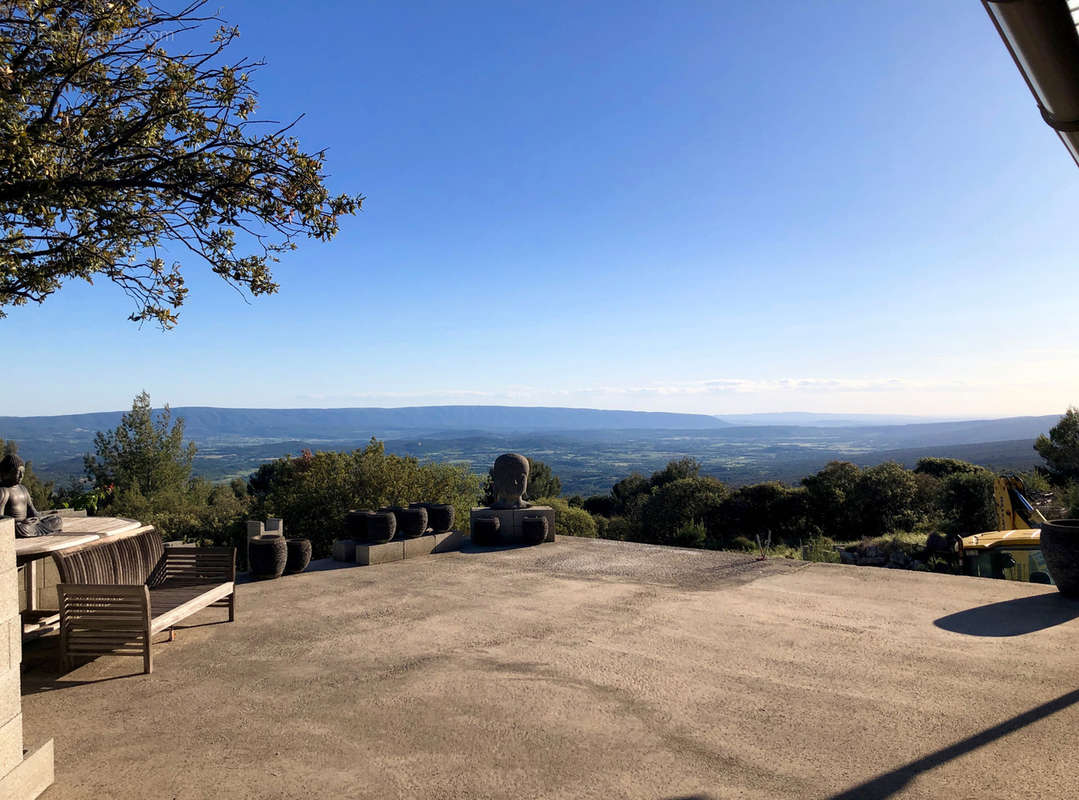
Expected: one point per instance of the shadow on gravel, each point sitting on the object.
(1013, 617)
(325, 565)
(41, 667)
(469, 548)
(889, 783)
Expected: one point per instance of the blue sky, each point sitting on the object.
(714, 207)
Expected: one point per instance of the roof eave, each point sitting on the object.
(1042, 38)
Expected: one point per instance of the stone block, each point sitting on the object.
(7, 543)
(344, 550)
(10, 695)
(419, 546)
(15, 640)
(449, 541)
(368, 554)
(11, 744)
(9, 592)
(399, 549)
(271, 527)
(509, 526)
(10, 645)
(31, 777)
(48, 578)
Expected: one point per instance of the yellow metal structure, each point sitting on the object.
(1014, 511)
(1013, 551)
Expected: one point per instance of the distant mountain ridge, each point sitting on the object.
(831, 420)
(207, 422)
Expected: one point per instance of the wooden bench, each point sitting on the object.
(116, 594)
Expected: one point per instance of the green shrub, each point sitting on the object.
(1035, 481)
(884, 499)
(820, 549)
(677, 504)
(623, 529)
(570, 521)
(775, 512)
(944, 467)
(967, 502)
(689, 534)
(313, 493)
(602, 524)
(743, 543)
(1071, 500)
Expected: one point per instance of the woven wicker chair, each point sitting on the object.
(116, 594)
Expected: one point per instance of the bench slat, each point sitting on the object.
(170, 618)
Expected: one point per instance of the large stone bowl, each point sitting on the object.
(485, 531)
(439, 516)
(411, 522)
(1060, 546)
(356, 524)
(381, 527)
(299, 555)
(533, 529)
(268, 556)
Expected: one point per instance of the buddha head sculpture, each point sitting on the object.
(12, 469)
(509, 479)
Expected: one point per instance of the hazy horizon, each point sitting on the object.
(735, 415)
(703, 208)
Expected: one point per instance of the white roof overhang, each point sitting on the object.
(1043, 39)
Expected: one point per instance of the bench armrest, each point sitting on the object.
(200, 564)
(104, 605)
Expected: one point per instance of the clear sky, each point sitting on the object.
(686, 206)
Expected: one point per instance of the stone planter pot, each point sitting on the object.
(485, 531)
(439, 516)
(298, 555)
(533, 529)
(1060, 546)
(381, 526)
(268, 556)
(356, 525)
(411, 522)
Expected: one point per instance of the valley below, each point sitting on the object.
(589, 450)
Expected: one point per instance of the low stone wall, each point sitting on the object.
(365, 555)
(878, 557)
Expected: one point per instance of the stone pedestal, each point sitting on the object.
(23, 775)
(509, 530)
(344, 550)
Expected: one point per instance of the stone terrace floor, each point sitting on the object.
(583, 669)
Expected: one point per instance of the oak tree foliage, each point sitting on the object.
(127, 151)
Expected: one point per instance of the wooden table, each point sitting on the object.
(77, 531)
